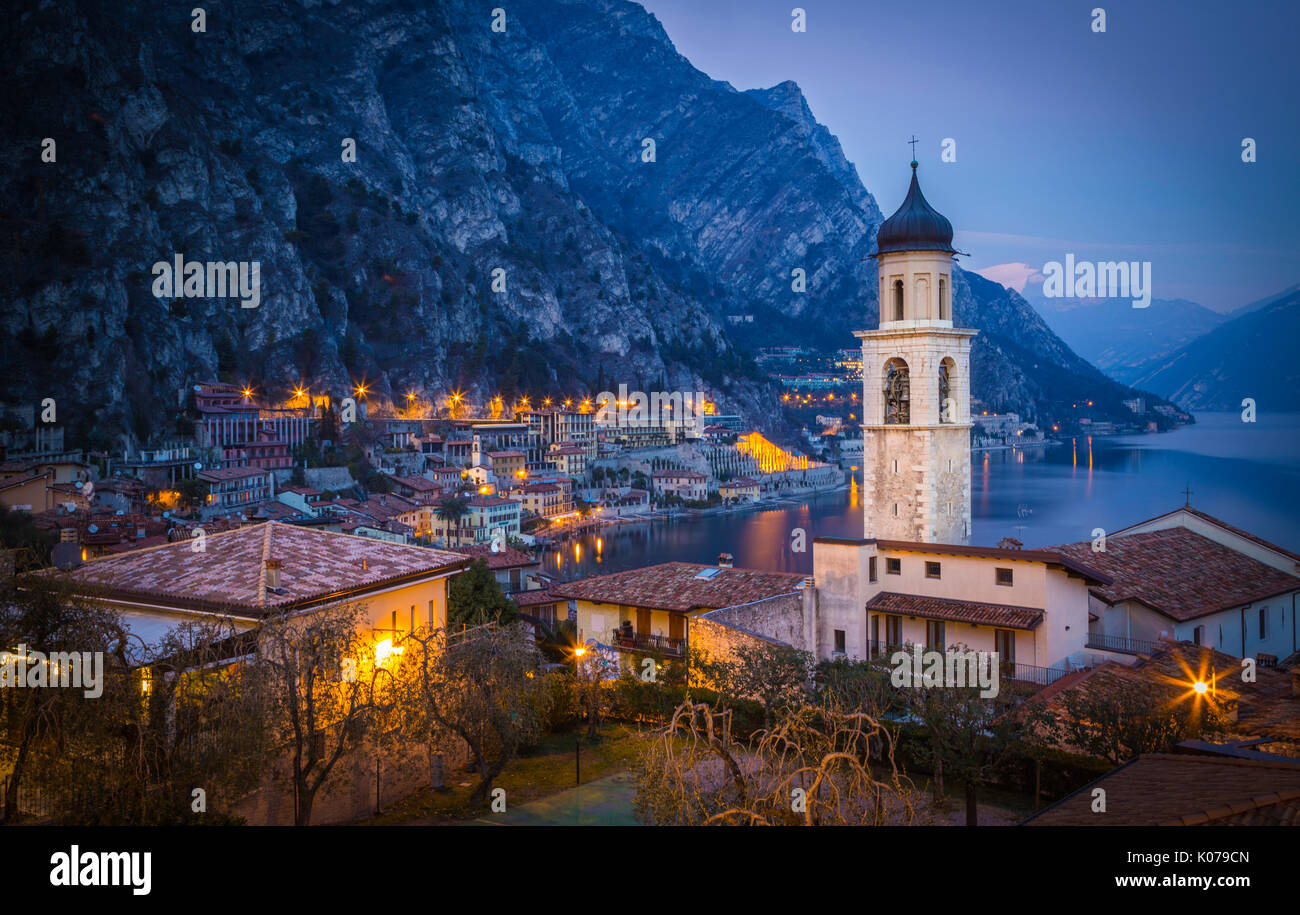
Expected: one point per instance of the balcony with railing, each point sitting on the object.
(1122, 644)
(654, 644)
(881, 652)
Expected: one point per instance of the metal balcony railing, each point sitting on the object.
(659, 644)
(1122, 644)
(880, 653)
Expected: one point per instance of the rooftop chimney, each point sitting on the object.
(273, 574)
(1009, 543)
(726, 560)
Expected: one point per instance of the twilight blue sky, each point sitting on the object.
(1117, 146)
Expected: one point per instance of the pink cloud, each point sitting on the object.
(1013, 276)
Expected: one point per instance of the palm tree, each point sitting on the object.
(453, 510)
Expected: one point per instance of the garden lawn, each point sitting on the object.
(546, 771)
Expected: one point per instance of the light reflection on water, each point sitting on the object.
(1246, 474)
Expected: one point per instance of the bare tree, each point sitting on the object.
(816, 766)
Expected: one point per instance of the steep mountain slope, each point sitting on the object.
(499, 230)
(1249, 356)
(1117, 338)
(1261, 303)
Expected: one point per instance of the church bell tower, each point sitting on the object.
(916, 386)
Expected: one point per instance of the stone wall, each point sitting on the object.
(777, 619)
(350, 792)
(326, 479)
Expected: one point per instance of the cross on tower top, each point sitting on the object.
(1187, 496)
(913, 141)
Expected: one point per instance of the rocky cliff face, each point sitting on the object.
(518, 157)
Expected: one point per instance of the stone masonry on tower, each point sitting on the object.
(916, 386)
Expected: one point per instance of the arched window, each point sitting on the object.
(921, 298)
(898, 300)
(947, 402)
(945, 309)
(898, 393)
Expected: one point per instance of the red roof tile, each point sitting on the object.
(958, 611)
(534, 598)
(1180, 573)
(507, 558)
(1265, 708)
(1163, 789)
(676, 586)
(227, 576)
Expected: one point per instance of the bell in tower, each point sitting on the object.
(916, 385)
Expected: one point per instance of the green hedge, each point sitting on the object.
(1062, 772)
(632, 699)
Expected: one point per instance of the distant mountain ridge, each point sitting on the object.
(1118, 338)
(1250, 355)
(501, 229)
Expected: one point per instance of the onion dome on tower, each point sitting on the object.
(916, 226)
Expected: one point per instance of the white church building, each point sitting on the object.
(915, 579)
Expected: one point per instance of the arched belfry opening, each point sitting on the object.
(926, 495)
(898, 393)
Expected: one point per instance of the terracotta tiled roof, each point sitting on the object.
(958, 611)
(1163, 789)
(1180, 573)
(275, 511)
(228, 575)
(1265, 708)
(534, 598)
(677, 586)
(507, 558)
(417, 484)
(126, 546)
(1226, 526)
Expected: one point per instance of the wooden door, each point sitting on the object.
(676, 626)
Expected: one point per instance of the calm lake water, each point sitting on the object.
(1248, 474)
